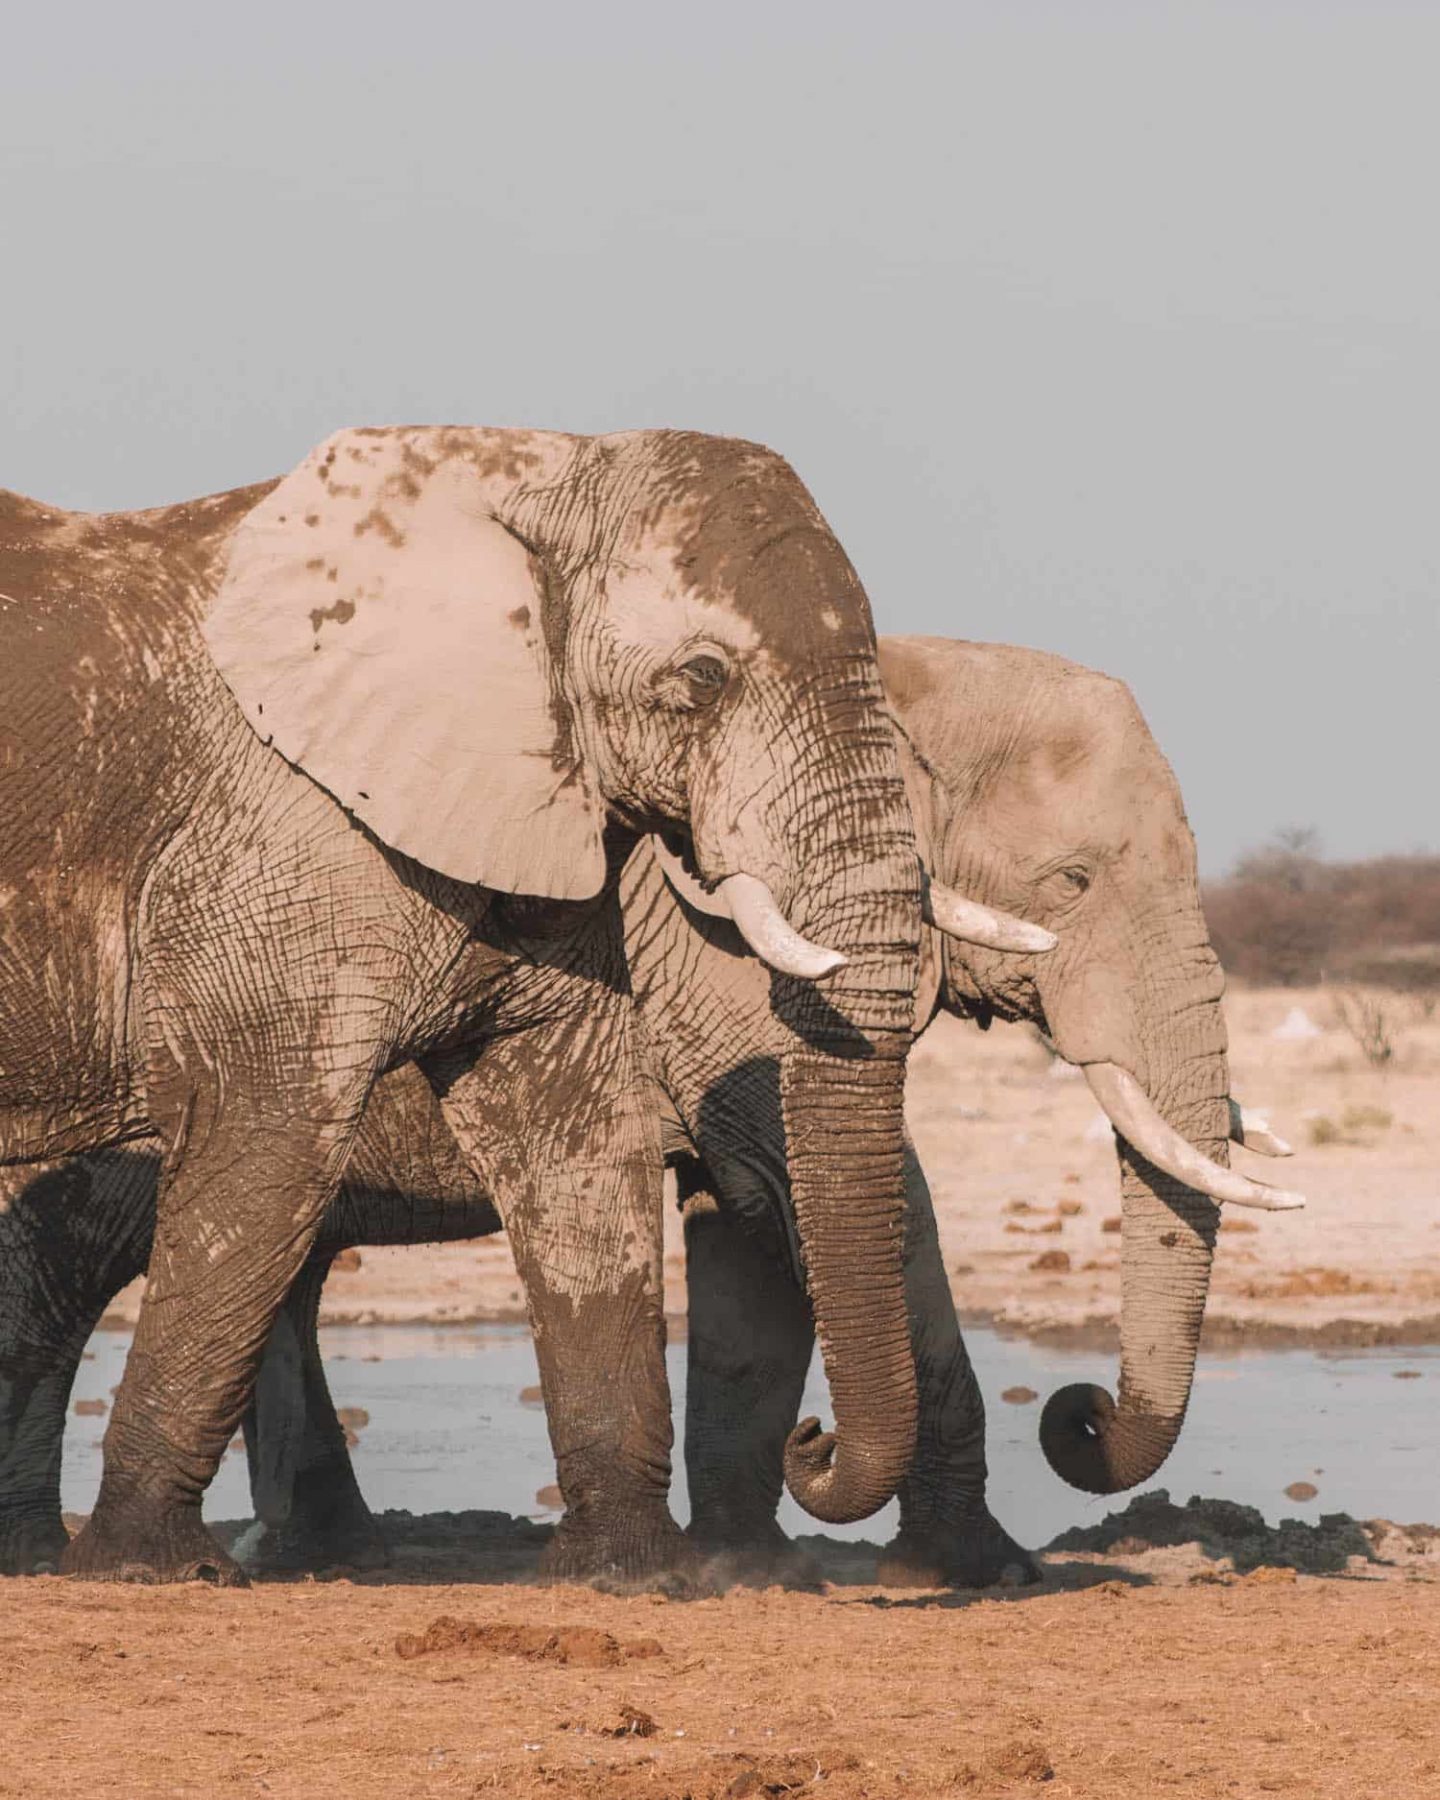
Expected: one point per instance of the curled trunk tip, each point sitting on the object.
(832, 1486)
(1096, 1446)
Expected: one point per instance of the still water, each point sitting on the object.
(448, 1429)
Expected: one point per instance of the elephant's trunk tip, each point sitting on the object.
(1098, 1447)
(827, 1484)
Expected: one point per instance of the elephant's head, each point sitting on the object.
(1037, 786)
(489, 645)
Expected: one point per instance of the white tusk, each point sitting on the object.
(972, 923)
(1252, 1129)
(770, 934)
(1133, 1114)
(747, 901)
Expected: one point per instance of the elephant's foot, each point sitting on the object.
(329, 1527)
(972, 1552)
(641, 1550)
(305, 1546)
(760, 1557)
(32, 1541)
(150, 1546)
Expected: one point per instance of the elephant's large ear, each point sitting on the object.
(386, 633)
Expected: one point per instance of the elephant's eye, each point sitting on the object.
(1073, 881)
(696, 682)
(707, 674)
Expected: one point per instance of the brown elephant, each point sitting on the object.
(1020, 766)
(307, 781)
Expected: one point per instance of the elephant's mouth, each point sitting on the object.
(679, 845)
(748, 902)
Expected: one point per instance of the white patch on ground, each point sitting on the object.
(1296, 1027)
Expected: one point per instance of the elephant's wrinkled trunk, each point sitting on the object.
(1091, 1441)
(845, 1147)
(842, 1090)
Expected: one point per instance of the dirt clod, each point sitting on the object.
(89, 1409)
(1055, 1262)
(347, 1262)
(584, 1646)
(1022, 1761)
(629, 1721)
(1019, 1396)
(1301, 1490)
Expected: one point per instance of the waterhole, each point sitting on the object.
(447, 1429)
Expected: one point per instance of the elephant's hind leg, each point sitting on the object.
(751, 1334)
(71, 1236)
(309, 1511)
(948, 1536)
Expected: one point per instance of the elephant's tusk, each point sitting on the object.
(972, 923)
(749, 904)
(1133, 1114)
(770, 934)
(1252, 1129)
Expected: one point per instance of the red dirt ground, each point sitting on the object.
(1124, 1676)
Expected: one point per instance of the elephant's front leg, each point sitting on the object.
(947, 1534)
(566, 1137)
(751, 1334)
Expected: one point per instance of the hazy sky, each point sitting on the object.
(1109, 329)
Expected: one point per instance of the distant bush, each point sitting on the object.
(1285, 916)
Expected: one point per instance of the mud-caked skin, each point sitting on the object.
(304, 782)
(74, 1233)
(1015, 763)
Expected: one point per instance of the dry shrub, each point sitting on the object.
(1370, 1022)
(1351, 1127)
(1286, 917)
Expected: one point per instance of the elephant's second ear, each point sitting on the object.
(386, 633)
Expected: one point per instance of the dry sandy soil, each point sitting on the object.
(1132, 1673)
(1135, 1670)
(1023, 1174)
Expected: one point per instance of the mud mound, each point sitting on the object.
(1224, 1528)
(583, 1646)
(469, 1527)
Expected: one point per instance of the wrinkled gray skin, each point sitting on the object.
(1037, 783)
(198, 942)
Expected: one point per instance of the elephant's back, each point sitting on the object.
(97, 629)
(55, 563)
(98, 617)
